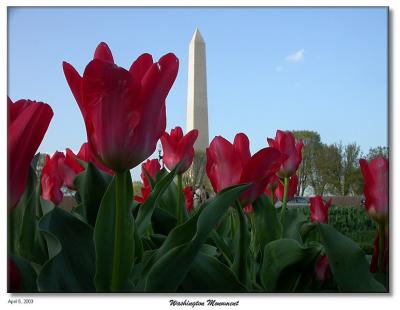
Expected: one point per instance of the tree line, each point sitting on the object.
(331, 169)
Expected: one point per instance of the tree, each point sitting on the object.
(351, 169)
(378, 151)
(312, 146)
(326, 168)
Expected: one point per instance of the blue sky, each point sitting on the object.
(267, 68)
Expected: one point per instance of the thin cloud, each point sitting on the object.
(296, 56)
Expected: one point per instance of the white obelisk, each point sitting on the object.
(197, 110)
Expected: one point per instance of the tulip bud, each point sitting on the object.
(178, 148)
(376, 188)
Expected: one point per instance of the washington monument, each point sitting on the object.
(197, 110)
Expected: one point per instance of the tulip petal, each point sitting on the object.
(140, 66)
(74, 81)
(15, 109)
(318, 211)
(223, 167)
(25, 133)
(241, 145)
(51, 179)
(376, 187)
(155, 87)
(69, 168)
(109, 96)
(178, 148)
(257, 171)
(103, 52)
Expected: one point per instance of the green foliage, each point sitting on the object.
(109, 243)
(331, 168)
(27, 274)
(23, 233)
(173, 260)
(208, 274)
(311, 149)
(114, 236)
(70, 266)
(352, 273)
(352, 222)
(143, 219)
(266, 226)
(285, 261)
(378, 151)
(91, 185)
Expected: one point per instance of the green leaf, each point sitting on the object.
(222, 246)
(114, 236)
(284, 261)
(46, 205)
(175, 257)
(91, 185)
(168, 200)
(28, 275)
(240, 263)
(24, 236)
(295, 218)
(71, 250)
(208, 274)
(162, 221)
(143, 219)
(267, 227)
(180, 235)
(348, 263)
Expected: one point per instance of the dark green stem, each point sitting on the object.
(284, 202)
(179, 211)
(240, 264)
(273, 196)
(11, 233)
(381, 247)
(119, 193)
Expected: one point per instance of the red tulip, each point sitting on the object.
(27, 123)
(69, 168)
(293, 182)
(376, 187)
(273, 183)
(322, 269)
(285, 143)
(248, 209)
(374, 259)
(86, 154)
(230, 164)
(145, 190)
(319, 211)
(187, 191)
(178, 148)
(124, 111)
(51, 178)
(14, 276)
(152, 166)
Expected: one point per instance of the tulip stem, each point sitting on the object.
(273, 197)
(179, 210)
(284, 201)
(119, 188)
(381, 247)
(240, 262)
